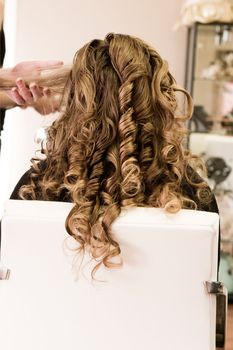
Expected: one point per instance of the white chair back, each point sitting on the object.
(157, 300)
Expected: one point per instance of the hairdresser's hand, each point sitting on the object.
(34, 96)
(37, 97)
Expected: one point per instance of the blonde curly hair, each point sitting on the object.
(117, 144)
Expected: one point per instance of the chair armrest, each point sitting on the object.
(220, 291)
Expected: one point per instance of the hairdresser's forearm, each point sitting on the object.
(5, 101)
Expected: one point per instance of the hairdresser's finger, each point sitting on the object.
(15, 96)
(33, 68)
(51, 100)
(47, 64)
(36, 91)
(24, 91)
(54, 100)
(47, 92)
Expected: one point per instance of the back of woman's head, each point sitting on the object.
(117, 144)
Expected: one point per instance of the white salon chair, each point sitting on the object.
(159, 299)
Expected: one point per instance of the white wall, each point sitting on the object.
(53, 29)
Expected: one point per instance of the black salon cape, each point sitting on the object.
(2, 54)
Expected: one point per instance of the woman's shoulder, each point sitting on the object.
(24, 180)
(191, 191)
(63, 195)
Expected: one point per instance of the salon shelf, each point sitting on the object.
(216, 80)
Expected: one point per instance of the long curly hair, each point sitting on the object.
(117, 144)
